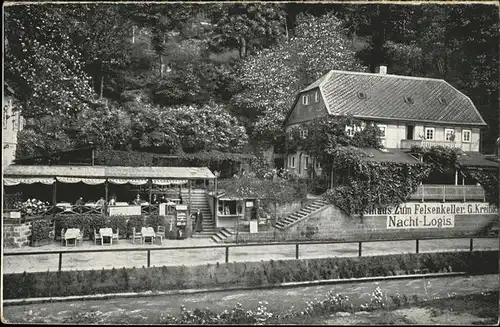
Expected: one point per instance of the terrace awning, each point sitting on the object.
(89, 181)
(94, 175)
(170, 181)
(11, 181)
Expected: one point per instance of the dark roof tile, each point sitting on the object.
(386, 98)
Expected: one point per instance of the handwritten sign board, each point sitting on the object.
(431, 215)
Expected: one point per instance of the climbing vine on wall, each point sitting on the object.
(369, 185)
(372, 185)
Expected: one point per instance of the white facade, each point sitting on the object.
(402, 136)
(12, 123)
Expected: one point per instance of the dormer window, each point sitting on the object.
(303, 133)
(442, 101)
(316, 97)
(362, 95)
(305, 99)
(408, 100)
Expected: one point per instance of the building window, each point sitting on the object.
(449, 134)
(303, 133)
(349, 130)
(429, 133)
(307, 162)
(383, 129)
(466, 135)
(316, 97)
(305, 99)
(291, 161)
(318, 165)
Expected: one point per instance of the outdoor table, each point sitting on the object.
(106, 232)
(71, 234)
(65, 206)
(148, 232)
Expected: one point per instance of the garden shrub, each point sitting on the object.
(118, 223)
(85, 222)
(42, 230)
(135, 221)
(67, 283)
(155, 221)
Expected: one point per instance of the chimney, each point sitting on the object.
(381, 70)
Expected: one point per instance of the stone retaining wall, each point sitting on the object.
(331, 223)
(16, 235)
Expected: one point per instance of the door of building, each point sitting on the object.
(409, 132)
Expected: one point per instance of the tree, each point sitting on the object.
(41, 63)
(205, 128)
(105, 127)
(44, 137)
(247, 26)
(271, 78)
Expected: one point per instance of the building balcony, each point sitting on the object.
(449, 193)
(465, 146)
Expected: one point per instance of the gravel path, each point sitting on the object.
(96, 260)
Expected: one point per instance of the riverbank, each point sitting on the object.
(468, 295)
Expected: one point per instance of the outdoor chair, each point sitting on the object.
(97, 236)
(136, 235)
(160, 232)
(79, 239)
(115, 236)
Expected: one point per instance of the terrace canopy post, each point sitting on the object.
(150, 184)
(456, 176)
(106, 196)
(54, 193)
(106, 191)
(189, 219)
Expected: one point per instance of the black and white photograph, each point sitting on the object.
(250, 163)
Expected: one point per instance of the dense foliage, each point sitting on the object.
(271, 79)
(162, 77)
(372, 185)
(42, 231)
(276, 188)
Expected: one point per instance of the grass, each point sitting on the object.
(479, 304)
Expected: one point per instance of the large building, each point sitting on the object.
(408, 110)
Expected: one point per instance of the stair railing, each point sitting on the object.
(301, 207)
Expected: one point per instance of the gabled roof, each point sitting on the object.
(431, 100)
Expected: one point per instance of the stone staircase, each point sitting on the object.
(199, 200)
(301, 213)
(221, 235)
